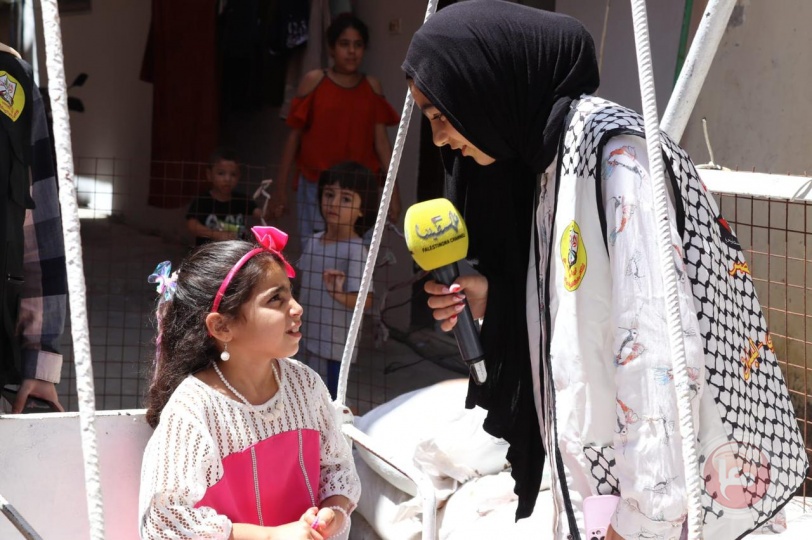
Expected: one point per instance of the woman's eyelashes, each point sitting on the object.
(437, 116)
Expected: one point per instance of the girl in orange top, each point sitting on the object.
(339, 114)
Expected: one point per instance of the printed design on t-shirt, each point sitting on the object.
(679, 262)
(662, 487)
(661, 425)
(634, 269)
(573, 255)
(628, 413)
(619, 157)
(739, 268)
(751, 359)
(12, 96)
(626, 417)
(624, 211)
(630, 349)
(726, 233)
(231, 223)
(665, 375)
(622, 433)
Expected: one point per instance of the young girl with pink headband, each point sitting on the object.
(246, 443)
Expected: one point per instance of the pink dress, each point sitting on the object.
(243, 497)
(213, 461)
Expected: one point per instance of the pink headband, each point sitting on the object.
(271, 239)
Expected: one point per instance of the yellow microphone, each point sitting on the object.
(437, 239)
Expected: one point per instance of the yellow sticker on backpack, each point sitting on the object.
(12, 96)
(573, 256)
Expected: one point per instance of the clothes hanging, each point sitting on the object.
(180, 61)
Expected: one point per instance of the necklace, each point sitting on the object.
(269, 414)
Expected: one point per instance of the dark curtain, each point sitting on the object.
(180, 61)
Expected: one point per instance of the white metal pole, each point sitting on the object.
(58, 93)
(672, 306)
(696, 67)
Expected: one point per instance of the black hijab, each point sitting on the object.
(504, 75)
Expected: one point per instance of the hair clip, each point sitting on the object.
(166, 279)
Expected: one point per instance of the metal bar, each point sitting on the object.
(696, 67)
(18, 521)
(58, 93)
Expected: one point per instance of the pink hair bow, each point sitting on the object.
(274, 240)
(271, 239)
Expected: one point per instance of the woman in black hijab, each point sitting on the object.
(558, 205)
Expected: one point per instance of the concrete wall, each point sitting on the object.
(756, 96)
(619, 81)
(112, 137)
(43, 473)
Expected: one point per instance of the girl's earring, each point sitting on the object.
(225, 355)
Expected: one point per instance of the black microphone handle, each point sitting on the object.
(465, 331)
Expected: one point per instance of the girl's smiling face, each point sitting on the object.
(443, 133)
(269, 323)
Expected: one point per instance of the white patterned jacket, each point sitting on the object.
(600, 341)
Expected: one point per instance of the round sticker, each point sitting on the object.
(573, 256)
(12, 96)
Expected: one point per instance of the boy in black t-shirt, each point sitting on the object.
(221, 213)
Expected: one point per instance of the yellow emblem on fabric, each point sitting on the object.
(12, 96)
(573, 256)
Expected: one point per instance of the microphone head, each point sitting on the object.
(435, 234)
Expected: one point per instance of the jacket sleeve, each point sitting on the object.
(44, 294)
(647, 441)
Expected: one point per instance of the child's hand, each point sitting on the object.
(298, 530)
(327, 521)
(334, 280)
